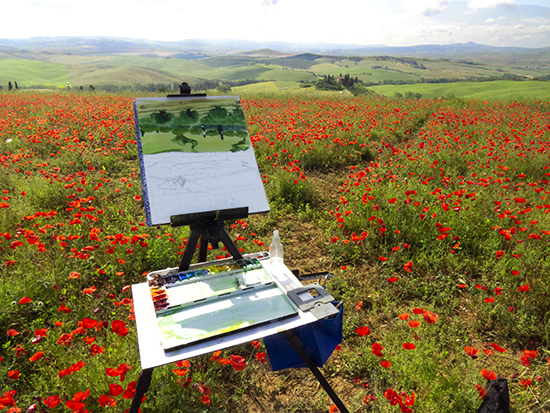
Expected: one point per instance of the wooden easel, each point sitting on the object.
(208, 227)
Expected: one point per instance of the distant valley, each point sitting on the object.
(126, 64)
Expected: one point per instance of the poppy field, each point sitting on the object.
(432, 214)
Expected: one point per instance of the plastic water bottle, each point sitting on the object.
(276, 249)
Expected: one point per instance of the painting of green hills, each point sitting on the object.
(195, 124)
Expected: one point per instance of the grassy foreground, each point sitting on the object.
(433, 214)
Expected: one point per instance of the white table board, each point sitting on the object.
(150, 349)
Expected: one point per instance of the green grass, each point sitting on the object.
(418, 207)
(496, 90)
(32, 72)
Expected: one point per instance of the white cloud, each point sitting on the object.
(488, 4)
(425, 7)
(391, 22)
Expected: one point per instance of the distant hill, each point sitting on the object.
(265, 52)
(109, 45)
(81, 61)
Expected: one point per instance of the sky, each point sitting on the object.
(524, 23)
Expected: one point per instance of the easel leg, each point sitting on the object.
(296, 344)
(231, 247)
(203, 249)
(141, 388)
(189, 250)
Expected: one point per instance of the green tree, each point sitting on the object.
(224, 89)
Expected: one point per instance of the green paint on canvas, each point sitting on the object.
(196, 125)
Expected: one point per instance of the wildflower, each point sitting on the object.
(25, 300)
(261, 357)
(488, 374)
(376, 349)
(430, 317)
(362, 331)
(471, 351)
(119, 327)
(237, 362)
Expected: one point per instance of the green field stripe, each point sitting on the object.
(28, 72)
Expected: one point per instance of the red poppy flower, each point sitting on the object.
(64, 309)
(42, 332)
(36, 356)
(471, 351)
(363, 331)
(105, 401)
(488, 374)
(71, 404)
(391, 280)
(186, 363)
(525, 361)
(206, 399)
(256, 344)
(530, 354)
(359, 305)
(333, 409)
(404, 316)
(489, 300)
(499, 254)
(88, 323)
(408, 266)
(121, 371)
(376, 349)
(237, 362)
(409, 346)
(51, 401)
(385, 363)
(25, 300)
(430, 317)
(382, 258)
(131, 389)
(205, 390)
(89, 290)
(498, 348)
(418, 310)
(525, 383)
(180, 372)
(481, 390)
(119, 327)
(89, 340)
(95, 349)
(261, 357)
(414, 323)
(115, 390)
(12, 332)
(13, 374)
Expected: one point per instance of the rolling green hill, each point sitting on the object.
(269, 69)
(496, 90)
(32, 72)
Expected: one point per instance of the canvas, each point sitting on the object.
(195, 155)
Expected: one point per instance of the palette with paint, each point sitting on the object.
(215, 299)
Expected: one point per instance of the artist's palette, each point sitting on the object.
(215, 299)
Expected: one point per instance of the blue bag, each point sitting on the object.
(319, 340)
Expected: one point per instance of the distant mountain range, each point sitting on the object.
(197, 48)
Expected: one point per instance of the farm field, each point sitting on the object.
(434, 216)
(56, 68)
(497, 90)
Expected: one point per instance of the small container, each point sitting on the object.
(276, 249)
